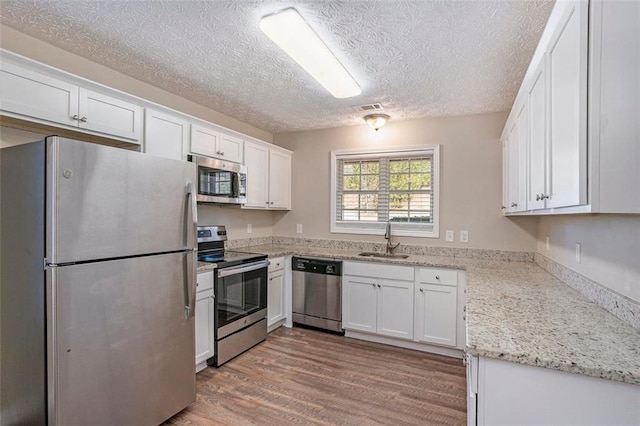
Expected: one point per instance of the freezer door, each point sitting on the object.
(106, 202)
(121, 350)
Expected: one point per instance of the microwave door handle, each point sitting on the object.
(236, 185)
(226, 272)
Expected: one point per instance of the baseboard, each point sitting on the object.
(406, 344)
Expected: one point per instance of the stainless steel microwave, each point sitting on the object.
(220, 181)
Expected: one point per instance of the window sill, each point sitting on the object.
(395, 232)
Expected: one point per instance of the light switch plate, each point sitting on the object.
(464, 236)
(249, 228)
(449, 235)
(299, 228)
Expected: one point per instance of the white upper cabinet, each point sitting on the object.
(210, 142)
(586, 65)
(109, 115)
(268, 176)
(567, 71)
(279, 179)
(256, 158)
(165, 135)
(614, 111)
(34, 96)
(537, 147)
(231, 148)
(517, 162)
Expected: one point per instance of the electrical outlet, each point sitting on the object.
(299, 228)
(450, 236)
(547, 243)
(578, 253)
(249, 228)
(464, 236)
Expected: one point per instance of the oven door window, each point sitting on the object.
(240, 295)
(217, 183)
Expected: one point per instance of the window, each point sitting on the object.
(372, 187)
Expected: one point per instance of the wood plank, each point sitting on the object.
(305, 376)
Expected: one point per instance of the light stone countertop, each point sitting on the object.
(518, 312)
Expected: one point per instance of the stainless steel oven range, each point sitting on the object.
(240, 290)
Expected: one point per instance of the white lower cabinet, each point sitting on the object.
(508, 393)
(276, 293)
(436, 314)
(436, 311)
(378, 303)
(423, 305)
(204, 318)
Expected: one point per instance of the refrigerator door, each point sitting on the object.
(106, 202)
(121, 350)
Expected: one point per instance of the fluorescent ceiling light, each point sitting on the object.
(291, 33)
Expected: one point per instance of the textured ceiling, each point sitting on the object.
(418, 58)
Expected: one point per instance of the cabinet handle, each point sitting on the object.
(83, 119)
(514, 204)
(75, 117)
(437, 277)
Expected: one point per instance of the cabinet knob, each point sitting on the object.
(271, 202)
(75, 117)
(543, 196)
(503, 207)
(437, 277)
(514, 204)
(378, 285)
(266, 202)
(374, 286)
(422, 290)
(537, 197)
(83, 119)
(222, 153)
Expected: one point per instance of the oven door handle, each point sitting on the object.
(225, 272)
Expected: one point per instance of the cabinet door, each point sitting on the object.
(109, 115)
(279, 180)
(436, 313)
(359, 300)
(36, 96)
(395, 308)
(512, 169)
(275, 297)
(204, 141)
(204, 325)
(505, 175)
(567, 71)
(165, 135)
(537, 139)
(230, 148)
(256, 158)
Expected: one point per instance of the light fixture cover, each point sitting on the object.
(375, 121)
(291, 33)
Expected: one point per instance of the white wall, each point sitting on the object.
(471, 179)
(610, 248)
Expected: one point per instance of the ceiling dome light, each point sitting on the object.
(375, 121)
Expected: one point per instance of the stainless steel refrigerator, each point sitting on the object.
(98, 285)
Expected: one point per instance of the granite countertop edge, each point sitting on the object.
(485, 341)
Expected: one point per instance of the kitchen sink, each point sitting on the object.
(383, 255)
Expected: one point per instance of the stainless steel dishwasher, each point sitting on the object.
(317, 293)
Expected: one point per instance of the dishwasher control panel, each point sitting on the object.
(317, 266)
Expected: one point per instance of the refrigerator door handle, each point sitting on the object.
(190, 226)
(188, 281)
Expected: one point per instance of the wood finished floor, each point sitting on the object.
(302, 376)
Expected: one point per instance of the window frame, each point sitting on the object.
(431, 230)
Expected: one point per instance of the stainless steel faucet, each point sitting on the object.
(387, 236)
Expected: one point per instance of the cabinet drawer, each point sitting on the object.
(438, 276)
(204, 281)
(276, 264)
(379, 270)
